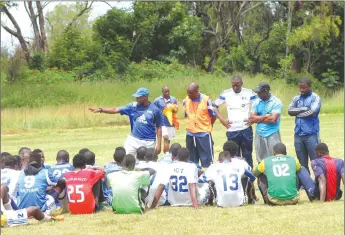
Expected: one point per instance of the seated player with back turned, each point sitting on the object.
(225, 177)
(84, 187)
(126, 187)
(328, 173)
(277, 177)
(181, 179)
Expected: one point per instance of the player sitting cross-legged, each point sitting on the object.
(62, 164)
(181, 179)
(226, 176)
(84, 187)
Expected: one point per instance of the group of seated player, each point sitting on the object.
(31, 188)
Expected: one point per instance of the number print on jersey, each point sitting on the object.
(234, 182)
(57, 173)
(281, 170)
(29, 181)
(178, 185)
(70, 191)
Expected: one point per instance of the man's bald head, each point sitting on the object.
(193, 91)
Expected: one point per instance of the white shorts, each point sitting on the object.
(203, 193)
(168, 131)
(132, 144)
(15, 218)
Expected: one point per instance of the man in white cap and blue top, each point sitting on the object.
(146, 122)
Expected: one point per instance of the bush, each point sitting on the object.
(149, 70)
(37, 61)
(49, 76)
(330, 79)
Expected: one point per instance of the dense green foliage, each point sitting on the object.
(217, 37)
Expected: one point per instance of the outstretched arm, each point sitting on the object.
(105, 110)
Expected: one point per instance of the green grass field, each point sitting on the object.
(304, 218)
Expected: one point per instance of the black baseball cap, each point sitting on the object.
(263, 86)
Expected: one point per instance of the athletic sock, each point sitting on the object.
(46, 217)
(8, 206)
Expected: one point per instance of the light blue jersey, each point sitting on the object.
(32, 189)
(60, 169)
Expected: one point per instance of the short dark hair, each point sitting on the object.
(62, 155)
(119, 155)
(129, 162)
(224, 154)
(174, 148)
(35, 156)
(83, 150)
(279, 148)
(151, 155)
(231, 147)
(79, 161)
(322, 148)
(5, 154)
(90, 158)
(39, 151)
(183, 155)
(305, 80)
(141, 151)
(22, 150)
(9, 161)
(237, 78)
(18, 160)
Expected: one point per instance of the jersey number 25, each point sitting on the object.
(75, 189)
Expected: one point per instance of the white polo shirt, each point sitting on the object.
(238, 107)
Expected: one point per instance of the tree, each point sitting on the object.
(4, 8)
(63, 15)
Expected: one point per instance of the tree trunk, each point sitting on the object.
(32, 16)
(44, 39)
(289, 19)
(17, 33)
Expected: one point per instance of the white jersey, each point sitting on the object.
(141, 164)
(177, 179)
(238, 107)
(10, 178)
(227, 179)
(156, 180)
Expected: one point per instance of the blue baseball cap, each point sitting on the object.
(142, 91)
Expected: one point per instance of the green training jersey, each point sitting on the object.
(125, 186)
(281, 176)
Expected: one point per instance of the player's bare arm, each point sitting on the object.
(322, 187)
(105, 110)
(222, 120)
(271, 119)
(192, 190)
(158, 194)
(159, 140)
(255, 118)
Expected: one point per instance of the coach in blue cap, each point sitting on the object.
(145, 118)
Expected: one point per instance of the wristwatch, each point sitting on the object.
(100, 110)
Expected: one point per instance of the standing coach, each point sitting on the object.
(201, 115)
(238, 101)
(145, 119)
(306, 108)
